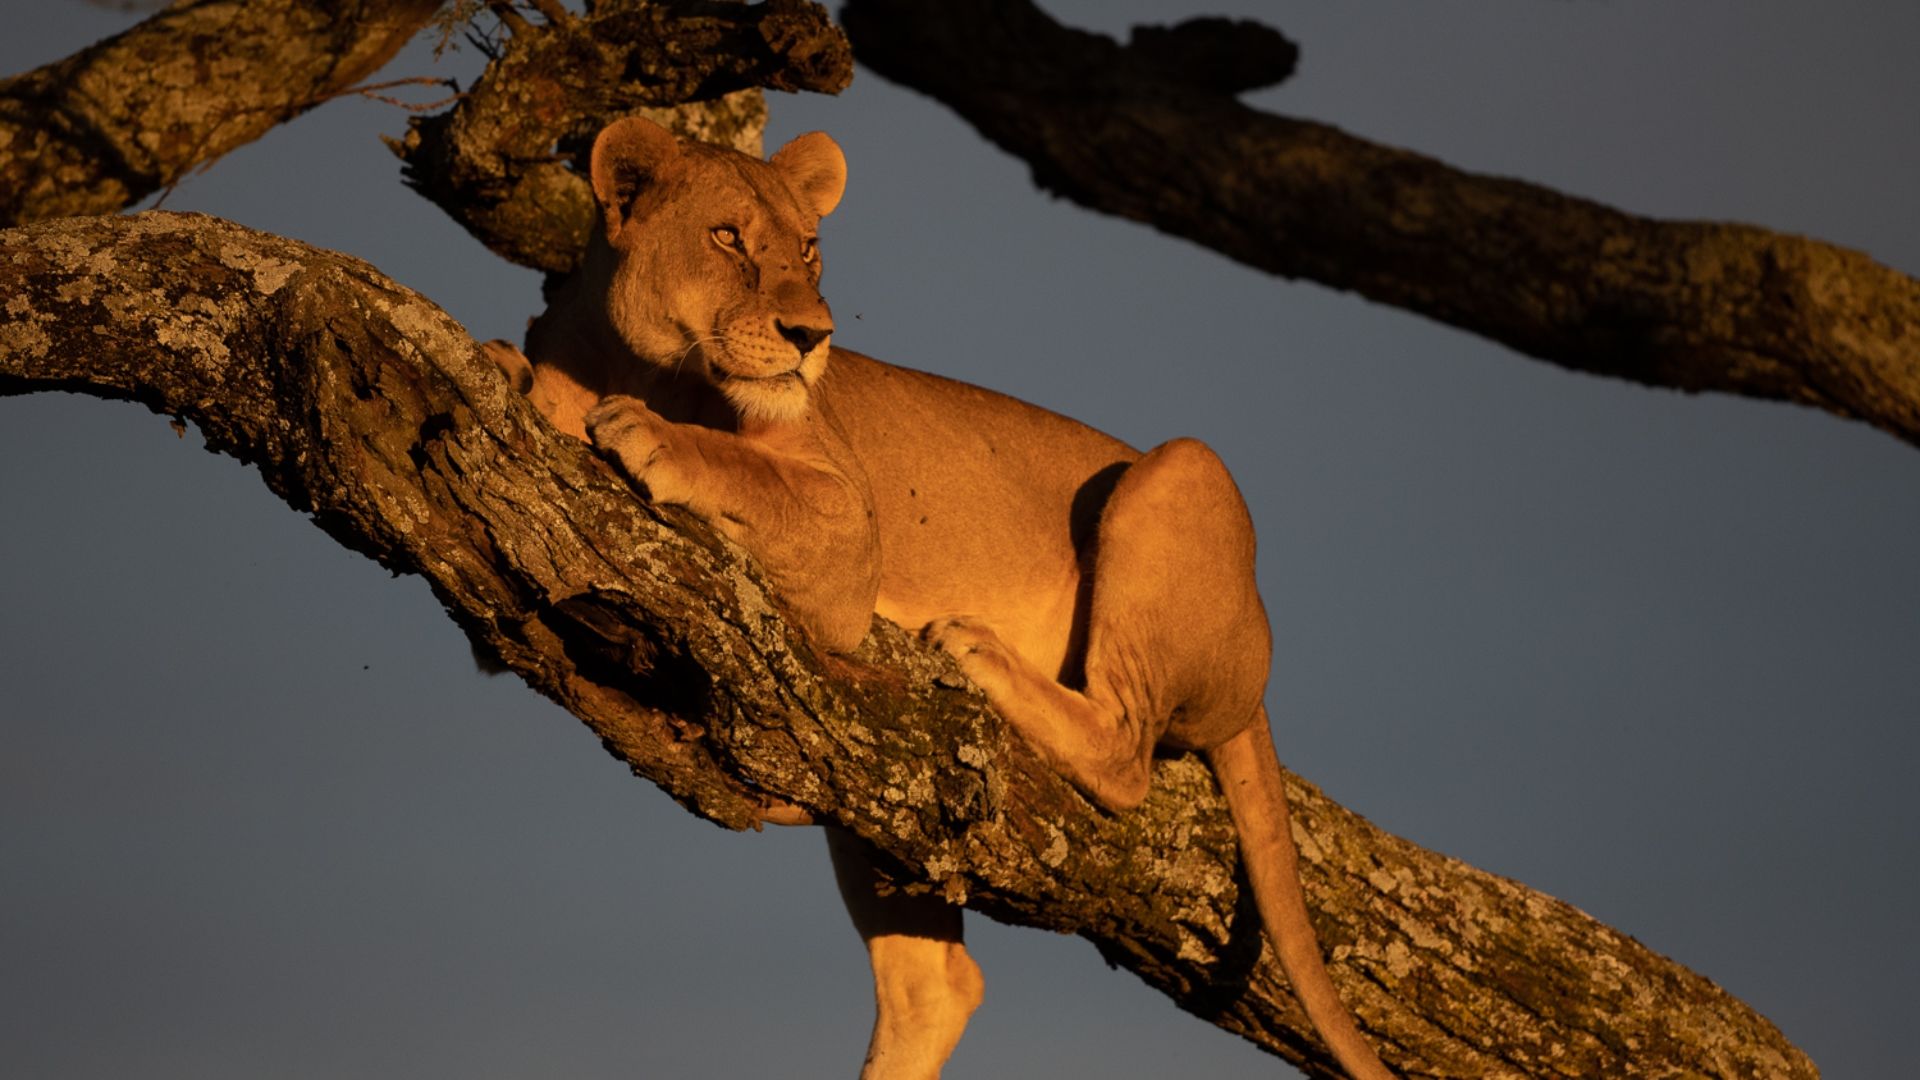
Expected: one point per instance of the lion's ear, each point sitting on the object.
(627, 156)
(815, 169)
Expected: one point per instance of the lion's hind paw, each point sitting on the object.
(978, 650)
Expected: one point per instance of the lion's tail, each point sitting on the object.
(1249, 775)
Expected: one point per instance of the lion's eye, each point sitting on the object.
(727, 236)
(809, 249)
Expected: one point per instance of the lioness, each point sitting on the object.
(1104, 599)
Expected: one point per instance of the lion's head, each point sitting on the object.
(712, 260)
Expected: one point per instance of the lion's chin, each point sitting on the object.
(772, 399)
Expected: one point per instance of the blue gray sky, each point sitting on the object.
(1657, 655)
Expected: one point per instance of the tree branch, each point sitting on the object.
(1688, 305)
(113, 123)
(366, 406)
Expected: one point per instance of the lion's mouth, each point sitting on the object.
(785, 378)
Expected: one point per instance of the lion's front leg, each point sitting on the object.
(777, 493)
(925, 984)
(641, 442)
(513, 364)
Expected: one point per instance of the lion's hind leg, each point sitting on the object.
(1100, 748)
(1176, 644)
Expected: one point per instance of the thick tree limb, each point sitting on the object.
(1688, 305)
(109, 125)
(506, 161)
(366, 406)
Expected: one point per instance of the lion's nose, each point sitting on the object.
(804, 337)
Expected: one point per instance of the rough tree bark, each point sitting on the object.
(365, 405)
(1152, 131)
(113, 123)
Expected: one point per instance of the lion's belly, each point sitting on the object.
(981, 501)
(1026, 592)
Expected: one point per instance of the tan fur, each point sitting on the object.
(1103, 599)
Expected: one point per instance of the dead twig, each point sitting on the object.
(513, 20)
(554, 13)
(371, 92)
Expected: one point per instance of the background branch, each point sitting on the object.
(1148, 131)
(366, 406)
(113, 123)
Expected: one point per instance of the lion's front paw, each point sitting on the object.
(638, 440)
(980, 652)
(512, 363)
